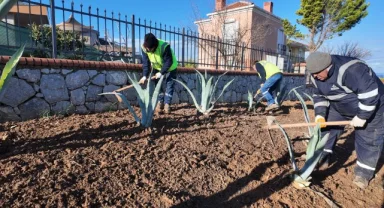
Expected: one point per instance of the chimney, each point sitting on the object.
(268, 6)
(220, 4)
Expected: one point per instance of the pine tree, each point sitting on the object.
(327, 18)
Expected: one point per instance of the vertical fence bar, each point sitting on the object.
(133, 39)
(90, 26)
(217, 53)
(113, 37)
(126, 40)
(120, 33)
(18, 22)
(63, 8)
(242, 57)
(30, 23)
(73, 25)
(54, 40)
(98, 29)
(6, 29)
(182, 47)
(82, 29)
(106, 32)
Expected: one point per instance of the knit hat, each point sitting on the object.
(150, 41)
(318, 61)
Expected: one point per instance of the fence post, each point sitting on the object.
(217, 52)
(54, 40)
(133, 40)
(242, 57)
(182, 48)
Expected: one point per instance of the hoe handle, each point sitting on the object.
(329, 123)
(129, 86)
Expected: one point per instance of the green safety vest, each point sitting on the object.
(156, 57)
(270, 69)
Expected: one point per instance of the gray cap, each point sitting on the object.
(318, 61)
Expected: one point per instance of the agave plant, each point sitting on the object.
(281, 94)
(147, 98)
(207, 91)
(252, 105)
(10, 67)
(302, 177)
(304, 106)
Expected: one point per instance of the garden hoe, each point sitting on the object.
(125, 88)
(272, 119)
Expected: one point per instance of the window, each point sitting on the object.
(230, 29)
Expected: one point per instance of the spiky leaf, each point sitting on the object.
(10, 67)
(289, 144)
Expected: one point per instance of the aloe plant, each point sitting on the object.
(10, 67)
(206, 92)
(302, 177)
(147, 98)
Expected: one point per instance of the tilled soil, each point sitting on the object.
(186, 160)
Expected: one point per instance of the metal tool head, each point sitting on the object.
(270, 120)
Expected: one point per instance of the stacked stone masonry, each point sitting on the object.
(33, 93)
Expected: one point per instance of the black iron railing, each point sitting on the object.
(94, 34)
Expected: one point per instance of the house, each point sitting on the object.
(244, 23)
(14, 27)
(23, 15)
(86, 32)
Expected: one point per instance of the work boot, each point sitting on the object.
(167, 108)
(361, 182)
(270, 107)
(159, 108)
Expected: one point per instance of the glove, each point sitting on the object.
(320, 119)
(142, 80)
(158, 75)
(358, 122)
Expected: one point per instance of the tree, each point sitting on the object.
(291, 31)
(348, 48)
(327, 18)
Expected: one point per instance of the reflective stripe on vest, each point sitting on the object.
(342, 70)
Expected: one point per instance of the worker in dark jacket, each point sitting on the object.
(271, 77)
(158, 54)
(348, 89)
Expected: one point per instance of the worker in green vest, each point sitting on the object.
(271, 77)
(158, 54)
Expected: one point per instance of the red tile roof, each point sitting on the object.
(238, 4)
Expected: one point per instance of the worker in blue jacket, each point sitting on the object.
(348, 89)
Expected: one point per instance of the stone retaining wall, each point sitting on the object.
(35, 92)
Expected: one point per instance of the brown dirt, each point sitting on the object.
(224, 160)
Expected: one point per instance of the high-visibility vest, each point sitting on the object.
(156, 57)
(270, 69)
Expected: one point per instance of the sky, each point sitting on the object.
(369, 33)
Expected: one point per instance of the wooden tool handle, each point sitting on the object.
(329, 123)
(129, 86)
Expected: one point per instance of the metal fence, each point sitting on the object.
(106, 36)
